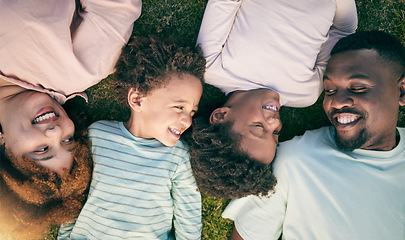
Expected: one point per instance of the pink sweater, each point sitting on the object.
(39, 50)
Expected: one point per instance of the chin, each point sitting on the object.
(168, 143)
(348, 144)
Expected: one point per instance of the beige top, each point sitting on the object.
(41, 51)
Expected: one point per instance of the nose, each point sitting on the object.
(341, 99)
(186, 120)
(274, 123)
(53, 130)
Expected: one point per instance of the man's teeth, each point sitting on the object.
(346, 119)
(44, 117)
(270, 107)
(174, 131)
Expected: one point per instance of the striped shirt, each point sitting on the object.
(140, 189)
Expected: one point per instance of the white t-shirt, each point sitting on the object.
(279, 45)
(323, 193)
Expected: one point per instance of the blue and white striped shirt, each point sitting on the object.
(140, 189)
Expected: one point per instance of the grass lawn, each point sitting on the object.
(181, 19)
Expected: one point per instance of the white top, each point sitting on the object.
(279, 45)
(323, 193)
(139, 189)
(39, 52)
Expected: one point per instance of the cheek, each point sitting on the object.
(327, 103)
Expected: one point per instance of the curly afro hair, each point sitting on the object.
(34, 197)
(221, 168)
(146, 64)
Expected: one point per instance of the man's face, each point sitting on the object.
(361, 100)
(255, 116)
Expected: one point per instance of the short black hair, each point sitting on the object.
(145, 64)
(221, 168)
(387, 46)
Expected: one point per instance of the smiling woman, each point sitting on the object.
(41, 122)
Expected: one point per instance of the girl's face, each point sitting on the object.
(36, 126)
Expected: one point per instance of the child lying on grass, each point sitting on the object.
(142, 183)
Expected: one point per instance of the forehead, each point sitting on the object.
(357, 64)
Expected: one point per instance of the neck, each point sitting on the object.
(134, 126)
(8, 89)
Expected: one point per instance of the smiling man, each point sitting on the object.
(345, 181)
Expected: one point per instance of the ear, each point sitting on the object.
(2, 142)
(219, 115)
(401, 86)
(134, 99)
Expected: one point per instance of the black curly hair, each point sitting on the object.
(146, 63)
(221, 168)
(387, 46)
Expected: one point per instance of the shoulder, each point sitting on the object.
(103, 127)
(180, 151)
(305, 144)
(309, 137)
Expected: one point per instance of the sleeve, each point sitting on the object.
(261, 217)
(105, 28)
(216, 25)
(187, 203)
(344, 24)
(65, 230)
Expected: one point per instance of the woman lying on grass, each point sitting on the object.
(50, 53)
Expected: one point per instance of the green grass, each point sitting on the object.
(181, 20)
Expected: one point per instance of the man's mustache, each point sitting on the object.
(348, 110)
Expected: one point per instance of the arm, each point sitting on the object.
(344, 24)
(235, 235)
(60, 55)
(216, 25)
(65, 230)
(105, 28)
(260, 217)
(187, 203)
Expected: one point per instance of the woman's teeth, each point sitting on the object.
(44, 117)
(270, 107)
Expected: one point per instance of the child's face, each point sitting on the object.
(165, 113)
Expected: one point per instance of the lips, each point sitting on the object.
(45, 115)
(345, 120)
(272, 106)
(175, 132)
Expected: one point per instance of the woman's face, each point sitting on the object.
(36, 126)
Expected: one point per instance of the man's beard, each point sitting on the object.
(348, 145)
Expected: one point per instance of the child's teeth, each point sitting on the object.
(175, 131)
(270, 107)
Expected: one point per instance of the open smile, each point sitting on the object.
(45, 115)
(345, 120)
(175, 132)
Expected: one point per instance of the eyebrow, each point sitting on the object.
(354, 76)
(184, 101)
(48, 157)
(43, 159)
